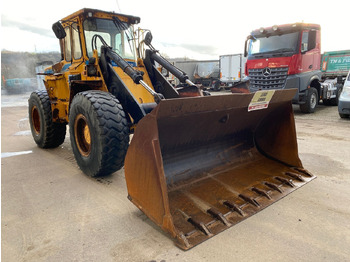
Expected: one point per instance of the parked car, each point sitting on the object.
(344, 99)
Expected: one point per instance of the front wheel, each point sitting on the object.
(344, 115)
(99, 132)
(311, 101)
(335, 101)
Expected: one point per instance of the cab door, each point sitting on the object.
(309, 51)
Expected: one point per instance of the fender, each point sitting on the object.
(313, 78)
(307, 78)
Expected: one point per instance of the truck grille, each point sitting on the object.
(261, 79)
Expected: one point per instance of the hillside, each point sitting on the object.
(22, 64)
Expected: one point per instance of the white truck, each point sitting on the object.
(232, 69)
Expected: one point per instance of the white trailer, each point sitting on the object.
(232, 69)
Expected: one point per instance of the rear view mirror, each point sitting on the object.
(58, 30)
(148, 38)
(247, 42)
(245, 47)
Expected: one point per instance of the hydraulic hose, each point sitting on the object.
(135, 75)
(171, 68)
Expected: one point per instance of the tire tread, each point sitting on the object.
(113, 130)
(54, 133)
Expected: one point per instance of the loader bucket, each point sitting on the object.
(197, 166)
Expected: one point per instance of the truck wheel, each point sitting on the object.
(326, 102)
(311, 101)
(99, 132)
(46, 133)
(344, 115)
(334, 101)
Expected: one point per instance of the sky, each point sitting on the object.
(194, 29)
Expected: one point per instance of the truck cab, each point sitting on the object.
(284, 57)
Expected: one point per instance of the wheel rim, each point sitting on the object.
(313, 100)
(36, 120)
(82, 135)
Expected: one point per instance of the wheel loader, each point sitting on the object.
(196, 164)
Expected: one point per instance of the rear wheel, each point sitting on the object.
(46, 133)
(99, 132)
(311, 101)
(326, 102)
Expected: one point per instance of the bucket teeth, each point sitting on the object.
(273, 186)
(200, 225)
(288, 182)
(295, 176)
(197, 224)
(303, 171)
(218, 215)
(261, 192)
(233, 207)
(249, 200)
(184, 240)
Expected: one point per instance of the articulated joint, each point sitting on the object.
(157, 96)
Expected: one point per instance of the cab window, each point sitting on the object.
(67, 45)
(117, 34)
(76, 42)
(304, 41)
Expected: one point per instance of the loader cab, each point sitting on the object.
(117, 34)
(88, 29)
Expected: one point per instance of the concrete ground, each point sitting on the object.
(50, 211)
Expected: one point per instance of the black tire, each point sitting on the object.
(46, 133)
(335, 101)
(326, 102)
(344, 115)
(99, 132)
(311, 101)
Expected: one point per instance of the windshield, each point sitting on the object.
(274, 43)
(117, 34)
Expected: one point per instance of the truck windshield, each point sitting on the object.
(117, 34)
(274, 44)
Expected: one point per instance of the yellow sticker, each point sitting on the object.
(261, 100)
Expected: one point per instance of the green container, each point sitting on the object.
(335, 63)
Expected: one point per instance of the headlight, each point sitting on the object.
(346, 89)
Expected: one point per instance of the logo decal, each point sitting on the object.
(266, 72)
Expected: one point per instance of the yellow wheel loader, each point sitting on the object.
(196, 164)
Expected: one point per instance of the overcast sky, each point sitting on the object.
(193, 29)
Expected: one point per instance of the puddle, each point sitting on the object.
(15, 100)
(10, 154)
(23, 133)
(23, 123)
